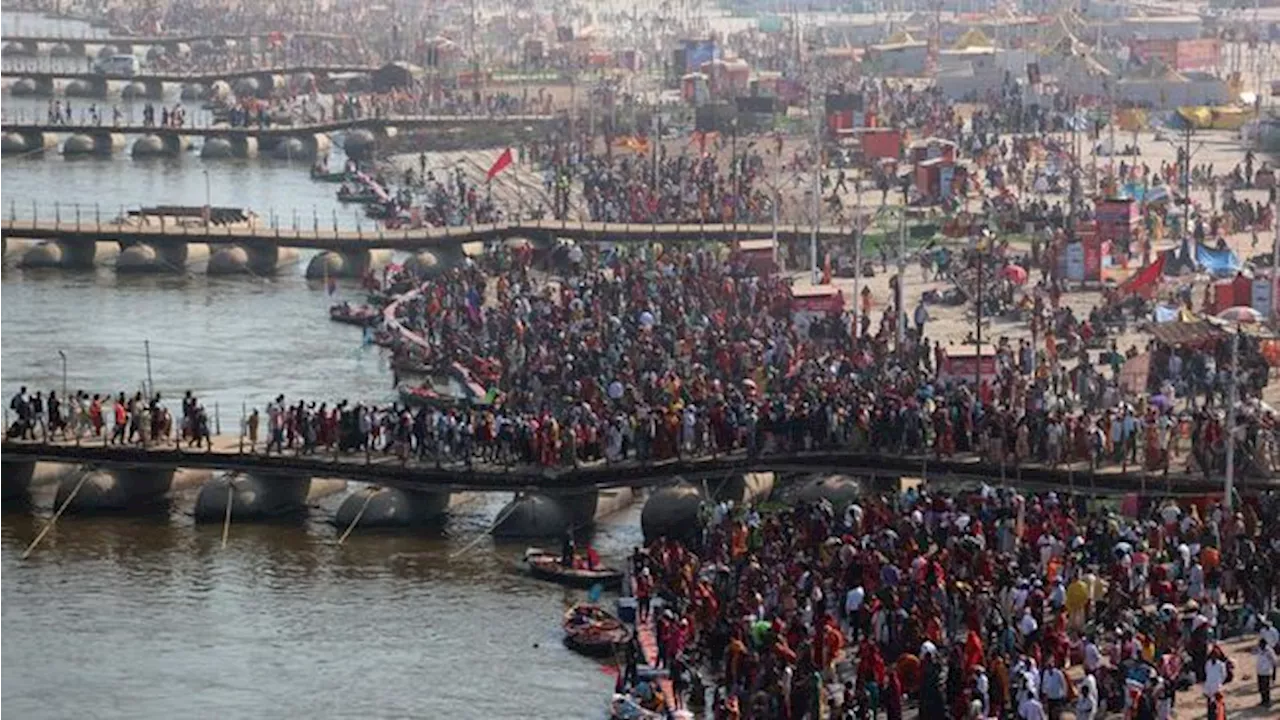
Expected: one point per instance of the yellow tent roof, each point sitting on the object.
(899, 38)
(973, 38)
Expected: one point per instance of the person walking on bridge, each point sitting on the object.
(275, 425)
(121, 417)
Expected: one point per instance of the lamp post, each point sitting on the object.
(63, 355)
(208, 198)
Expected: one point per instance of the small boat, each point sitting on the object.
(417, 366)
(591, 630)
(546, 566)
(626, 707)
(362, 315)
(331, 177)
(424, 396)
(364, 196)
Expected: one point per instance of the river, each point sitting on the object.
(145, 617)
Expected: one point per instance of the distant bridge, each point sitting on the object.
(85, 229)
(229, 455)
(311, 139)
(30, 44)
(40, 83)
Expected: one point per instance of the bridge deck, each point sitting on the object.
(159, 39)
(229, 453)
(402, 121)
(201, 77)
(88, 228)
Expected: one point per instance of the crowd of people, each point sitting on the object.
(973, 604)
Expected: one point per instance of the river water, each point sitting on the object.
(149, 617)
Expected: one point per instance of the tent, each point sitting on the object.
(971, 39)
(1218, 263)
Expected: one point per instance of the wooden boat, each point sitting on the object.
(546, 566)
(363, 196)
(361, 315)
(591, 630)
(626, 707)
(331, 177)
(424, 396)
(412, 365)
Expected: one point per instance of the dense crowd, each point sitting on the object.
(978, 604)
(648, 356)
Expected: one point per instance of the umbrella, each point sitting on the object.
(1015, 274)
(1240, 314)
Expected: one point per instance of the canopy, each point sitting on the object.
(1242, 314)
(1191, 334)
(973, 38)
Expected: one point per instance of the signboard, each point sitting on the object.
(1202, 54)
(1260, 298)
(1199, 54)
(1074, 262)
(966, 367)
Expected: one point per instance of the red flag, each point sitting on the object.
(1145, 281)
(500, 164)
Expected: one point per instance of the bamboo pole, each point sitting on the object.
(52, 521)
(497, 521)
(226, 519)
(359, 514)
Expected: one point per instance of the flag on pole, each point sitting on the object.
(500, 164)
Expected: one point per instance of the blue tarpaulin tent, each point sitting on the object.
(1217, 262)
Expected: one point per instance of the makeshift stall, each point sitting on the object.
(964, 363)
(1118, 220)
(814, 302)
(1083, 260)
(1234, 292)
(758, 256)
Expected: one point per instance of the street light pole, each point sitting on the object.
(63, 355)
(208, 199)
(1229, 485)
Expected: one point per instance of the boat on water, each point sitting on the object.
(547, 566)
(424, 396)
(591, 630)
(363, 196)
(341, 176)
(178, 216)
(412, 365)
(361, 315)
